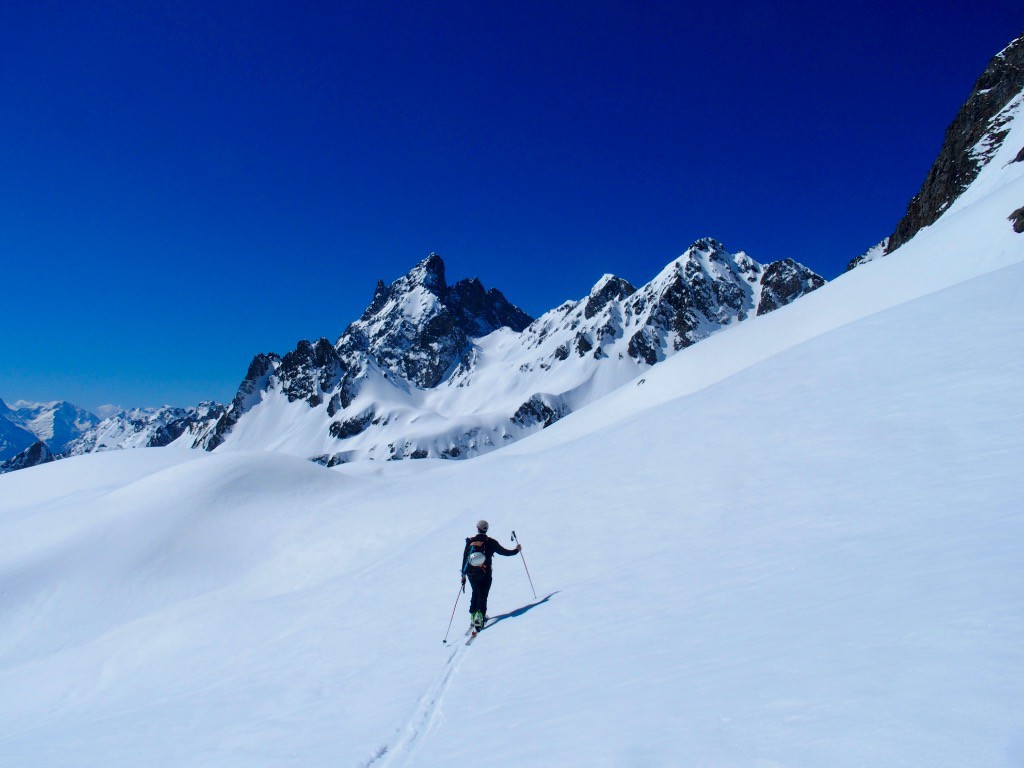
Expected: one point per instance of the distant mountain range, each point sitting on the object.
(444, 371)
(55, 424)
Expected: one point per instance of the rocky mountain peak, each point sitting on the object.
(416, 375)
(481, 310)
(429, 273)
(784, 281)
(970, 142)
(418, 327)
(36, 454)
(608, 289)
(706, 245)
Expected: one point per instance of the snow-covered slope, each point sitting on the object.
(796, 544)
(432, 371)
(811, 559)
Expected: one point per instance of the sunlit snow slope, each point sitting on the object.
(809, 555)
(797, 543)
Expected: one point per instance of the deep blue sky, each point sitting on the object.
(183, 185)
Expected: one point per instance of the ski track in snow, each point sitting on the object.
(428, 709)
(424, 717)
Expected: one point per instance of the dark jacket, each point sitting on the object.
(490, 548)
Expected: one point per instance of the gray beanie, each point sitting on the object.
(482, 526)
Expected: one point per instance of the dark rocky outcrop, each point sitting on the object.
(36, 454)
(481, 311)
(1017, 219)
(309, 371)
(539, 410)
(351, 427)
(418, 327)
(785, 281)
(610, 289)
(256, 378)
(958, 163)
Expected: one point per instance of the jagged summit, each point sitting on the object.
(706, 245)
(608, 288)
(418, 327)
(971, 141)
(451, 371)
(430, 273)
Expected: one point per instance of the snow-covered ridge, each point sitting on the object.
(144, 428)
(438, 371)
(56, 424)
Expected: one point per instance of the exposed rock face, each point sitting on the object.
(608, 289)
(309, 371)
(418, 328)
(971, 140)
(1017, 219)
(36, 454)
(539, 410)
(785, 281)
(248, 395)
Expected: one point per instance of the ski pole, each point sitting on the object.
(524, 565)
(462, 588)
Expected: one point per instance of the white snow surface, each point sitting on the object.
(795, 544)
(812, 561)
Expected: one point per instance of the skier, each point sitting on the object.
(476, 564)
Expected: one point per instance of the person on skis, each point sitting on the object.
(476, 566)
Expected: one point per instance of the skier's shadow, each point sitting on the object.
(492, 620)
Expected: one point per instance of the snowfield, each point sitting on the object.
(813, 559)
(795, 544)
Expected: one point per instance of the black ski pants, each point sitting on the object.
(480, 581)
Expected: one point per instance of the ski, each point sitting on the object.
(474, 632)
